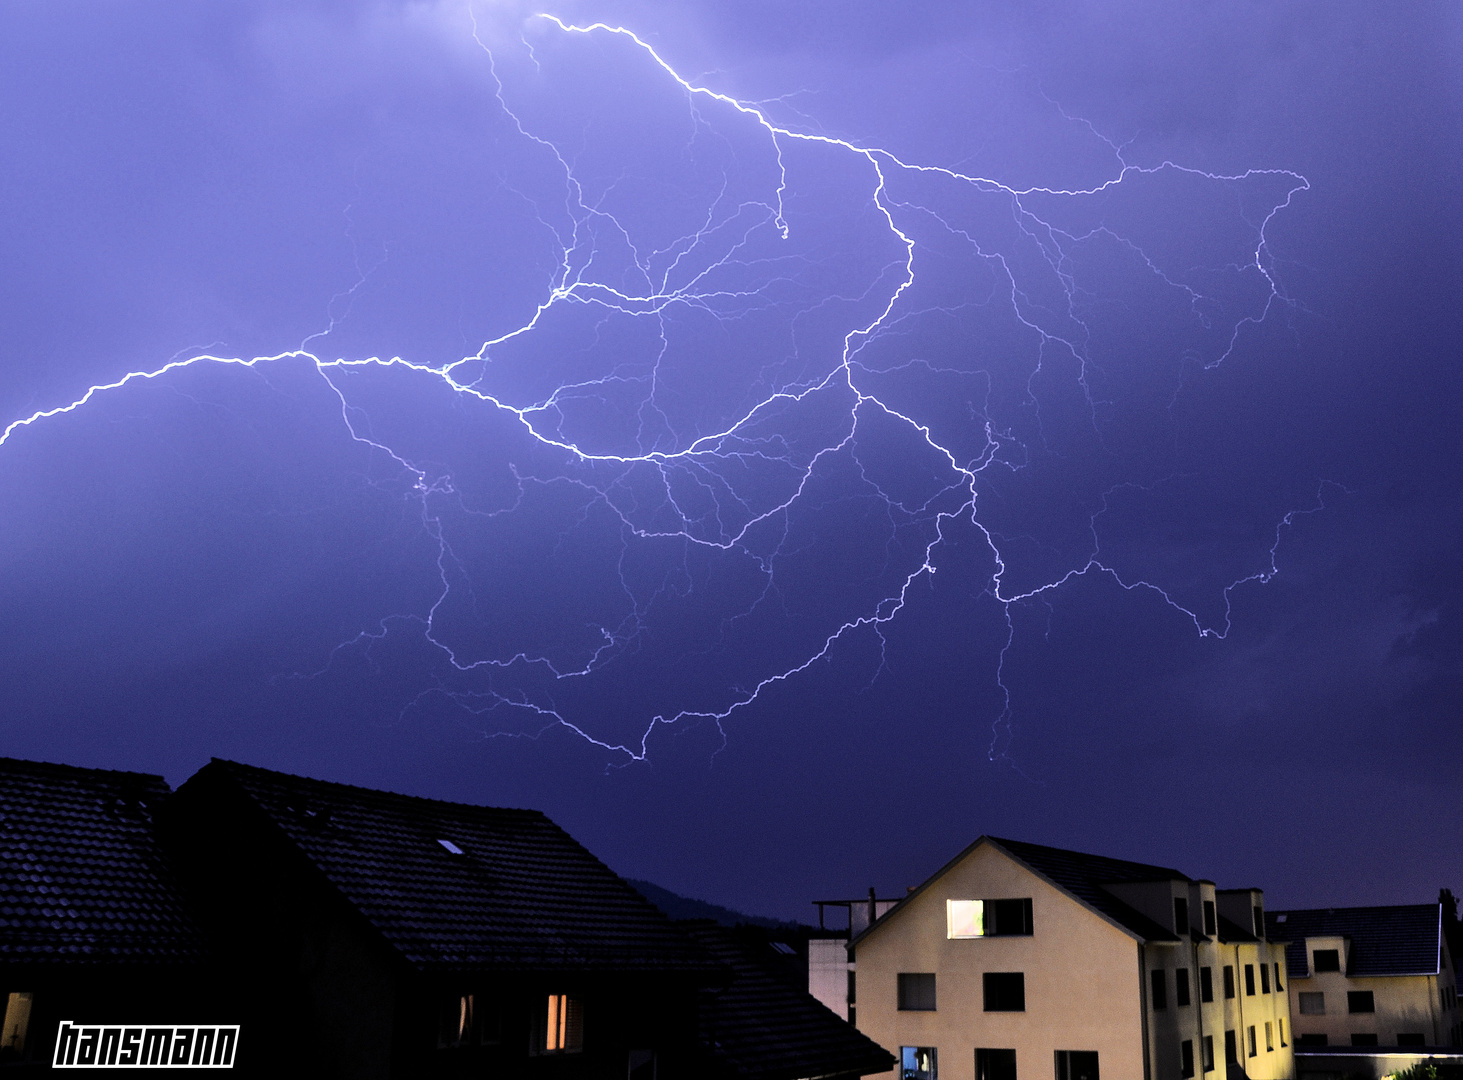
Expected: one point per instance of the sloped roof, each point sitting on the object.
(1400, 940)
(761, 1028)
(521, 894)
(82, 879)
(1078, 874)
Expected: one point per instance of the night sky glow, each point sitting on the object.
(716, 440)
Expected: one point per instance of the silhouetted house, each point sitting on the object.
(1019, 960)
(764, 1026)
(376, 934)
(1373, 977)
(93, 928)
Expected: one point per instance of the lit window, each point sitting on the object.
(17, 1021)
(1360, 1001)
(995, 1064)
(1077, 1065)
(1208, 1053)
(987, 918)
(457, 1021)
(563, 1026)
(1326, 960)
(917, 1063)
(1312, 1004)
(916, 992)
(1186, 1054)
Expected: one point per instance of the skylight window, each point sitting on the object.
(451, 847)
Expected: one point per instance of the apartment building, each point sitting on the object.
(1019, 960)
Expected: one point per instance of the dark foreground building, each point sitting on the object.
(93, 926)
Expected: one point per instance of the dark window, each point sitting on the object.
(1259, 921)
(1326, 960)
(1180, 915)
(1269, 1038)
(1406, 1038)
(918, 1063)
(1077, 1065)
(852, 987)
(1249, 980)
(995, 1064)
(1310, 1040)
(1005, 991)
(1231, 1052)
(1186, 1055)
(1360, 1001)
(642, 1065)
(1360, 1039)
(1206, 984)
(1008, 917)
(17, 1021)
(1264, 979)
(467, 1020)
(1228, 981)
(1279, 986)
(1160, 989)
(1181, 987)
(1312, 1003)
(916, 992)
(1251, 1033)
(1208, 1053)
(1211, 925)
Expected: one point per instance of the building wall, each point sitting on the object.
(828, 973)
(1404, 1003)
(1081, 975)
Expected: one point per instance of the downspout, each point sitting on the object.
(1242, 1042)
(1198, 1005)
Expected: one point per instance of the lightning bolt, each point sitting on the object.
(732, 488)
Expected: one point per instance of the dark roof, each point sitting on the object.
(82, 879)
(1404, 940)
(519, 892)
(759, 1027)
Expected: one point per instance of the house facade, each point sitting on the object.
(1018, 960)
(1370, 976)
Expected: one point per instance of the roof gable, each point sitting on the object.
(82, 879)
(508, 888)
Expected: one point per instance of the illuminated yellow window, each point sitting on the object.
(965, 918)
(564, 1025)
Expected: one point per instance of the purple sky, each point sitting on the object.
(1034, 419)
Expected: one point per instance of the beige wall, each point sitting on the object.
(1404, 1003)
(1082, 978)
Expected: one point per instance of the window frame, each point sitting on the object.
(916, 1071)
(1360, 1002)
(1249, 980)
(1228, 981)
(910, 991)
(1016, 979)
(1181, 996)
(1206, 985)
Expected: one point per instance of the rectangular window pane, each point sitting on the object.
(1360, 1039)
(1077, 1065)
(1326, 960)
(1310, 1040)
(1249, 980)
(1281, 1022)
(1264, 979)
(1259, 921)
(1231, 1052)
(1180, 915)
(1206, 984)
(1005, 991)
(1414, 1038)
(1269, 1037)
(1009, 916)
(1160, 989)
(916, 992)
(1312, 1004)
(918, 1063)
(1211, 925)
(1360, 1001)
(995, 1064)
(1208, 1053)
(965, 918)
(1181, 986)
(1186, 1054)
(1279, 986)
(1253, 1049)
(1228, 981)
